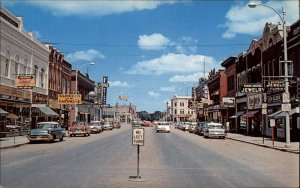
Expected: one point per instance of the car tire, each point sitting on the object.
(61, 139)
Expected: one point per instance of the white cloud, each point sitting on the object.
(155, 41)
(153, 94)
(168, 89)
(89, 55)
(186, 78)
(250, 21)
(97, 8)
(172, 63)
(118, 84)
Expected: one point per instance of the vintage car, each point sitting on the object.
(214, 130)
(192, 127)
(163, 127)
(46, 131)
(96, 126)
(116, 124)
(136, 124)
(79, 128)
(107, 125)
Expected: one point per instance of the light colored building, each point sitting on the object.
(21, 55)
(180, 110)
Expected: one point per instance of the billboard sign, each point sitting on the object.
(69, 99)
(25, 82)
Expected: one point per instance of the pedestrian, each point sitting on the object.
(227, 126)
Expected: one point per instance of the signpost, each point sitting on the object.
(272, 124)
(138, 139)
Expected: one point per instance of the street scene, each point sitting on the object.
(178, 159)
(158, 93)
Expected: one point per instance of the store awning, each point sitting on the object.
(47, 111)
(12, 116)
(281, 114)
(250, 114)
(238, 114)
(3, 112)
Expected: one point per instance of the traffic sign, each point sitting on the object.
(138, 136)
(264, 111)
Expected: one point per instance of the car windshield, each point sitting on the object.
(207, 92)
(215, 126)
(93, 124)
(44, 126)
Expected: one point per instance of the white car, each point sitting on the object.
(214, 130)
(163, 127)
(96, 126)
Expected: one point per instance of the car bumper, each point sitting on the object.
(32, 138)
(216, 134)
(78, 132)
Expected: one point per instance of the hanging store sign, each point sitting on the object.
(228, 101)
(69, 99)
(25, 82)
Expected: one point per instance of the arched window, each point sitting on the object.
(7, 61)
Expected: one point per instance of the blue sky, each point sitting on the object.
(150, 50)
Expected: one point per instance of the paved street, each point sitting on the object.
(178, 159)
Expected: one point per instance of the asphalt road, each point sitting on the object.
(178, 159)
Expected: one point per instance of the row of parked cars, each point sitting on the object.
(51, 131)
(206, 129)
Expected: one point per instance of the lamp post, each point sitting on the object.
(76, 84)
(286, 84)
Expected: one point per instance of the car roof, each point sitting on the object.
(213, 123)
(48, 122)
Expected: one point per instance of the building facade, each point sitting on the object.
(21, 55)
(180, 110)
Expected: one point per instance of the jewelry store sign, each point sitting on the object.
(138, 136)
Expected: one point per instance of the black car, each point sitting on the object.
(199, 128)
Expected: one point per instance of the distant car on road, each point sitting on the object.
(214, 130)
(163, 127)
(107, 125)
(79, 128)
(136, 124)
(117, 124)
(46, 131)
(96, 126)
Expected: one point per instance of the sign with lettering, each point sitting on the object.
(252, 88)
(69, 99)
(25, 82)
(138, 136)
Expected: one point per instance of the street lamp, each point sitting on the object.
(286, 84)
(76, 84)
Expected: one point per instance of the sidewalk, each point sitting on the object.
(10, 142)
(294, 146)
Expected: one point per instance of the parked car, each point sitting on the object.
(107, 125)
(185, 126)
(199, 128)
(214, 130)
(192, 127)
(96, 126)
(117, 124)
(163, 127)
(177, 125)
(79, 128)
(46, 131)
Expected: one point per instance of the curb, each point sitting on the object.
(265, 146)
(13, 146)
